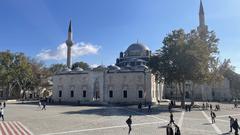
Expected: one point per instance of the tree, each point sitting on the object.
(15, 72)
(185, 57)
(80, 64)
(7, 73)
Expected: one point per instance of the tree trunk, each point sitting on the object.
(192, 97)
(183, 94)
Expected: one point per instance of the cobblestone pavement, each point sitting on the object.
(109, 120)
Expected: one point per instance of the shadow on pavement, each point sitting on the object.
(118, 111)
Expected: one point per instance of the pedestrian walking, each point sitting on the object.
(129, 123)
(189, 108)
(231, 123)
(186, 108)
(171, 118)
(169, 129)
(203, 106)
(140, 106)
(211, 107)
(170, 107)
(4, 104)
(207, 105)
(149, 107)
(44, 106)
(213, 116)
(236, 126)
(2, 114)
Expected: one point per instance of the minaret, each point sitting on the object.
(202, 28)
(69, 43)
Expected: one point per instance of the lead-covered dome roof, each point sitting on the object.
(136, 49)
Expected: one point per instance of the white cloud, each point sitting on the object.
(79, 49)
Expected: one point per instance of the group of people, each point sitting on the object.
(188, 108)
(206, 105)
(3, 105)
(149, 107)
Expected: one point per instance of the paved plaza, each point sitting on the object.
(108, 120)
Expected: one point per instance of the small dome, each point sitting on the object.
(77, 69)
(113, 67)
(66, 69)
(100, 68)
(141, 67)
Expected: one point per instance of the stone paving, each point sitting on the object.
(109, 120)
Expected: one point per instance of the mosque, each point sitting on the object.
(129, 81)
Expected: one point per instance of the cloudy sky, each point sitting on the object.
(102, 29)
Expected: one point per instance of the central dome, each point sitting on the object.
(136, 49)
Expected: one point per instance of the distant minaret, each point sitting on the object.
(69, 43)
(202, 28)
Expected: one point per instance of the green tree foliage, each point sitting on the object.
(56, 68)
(80, 64)
(184, 57)
(15, 71)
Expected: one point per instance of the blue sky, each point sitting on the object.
(103, 28)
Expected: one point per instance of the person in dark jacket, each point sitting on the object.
(169, 129)
(177, 130)
(213, 116)
(149, 107)
(171, 118)
(235, 126)
(129, 123)
(231, 123)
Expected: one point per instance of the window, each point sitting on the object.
(110, 93)
(140, 94)
(72, 93)
(84, 93)
(60, 93)
(125, 94)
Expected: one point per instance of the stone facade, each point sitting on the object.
(220, 91)
(106, 86)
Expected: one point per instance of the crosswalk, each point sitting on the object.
(13, 128)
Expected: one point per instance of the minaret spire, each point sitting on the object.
(202, 28)
(69, 43)
(201, 15)
(201, 11)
